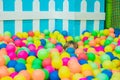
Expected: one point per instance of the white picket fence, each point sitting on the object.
(18, 15)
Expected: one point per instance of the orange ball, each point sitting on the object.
(87, 73)
(112, 34)
(25, 74)
(80, 43)
(92, 43)
(38, 75)
(3, 71)
(79, 51)
(97, 40)
(52, 40)
(3, 51)
(53, 50)
(1, 38)
(111, 30)
(7, 39)
(2, 61)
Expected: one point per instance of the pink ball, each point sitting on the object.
(23, 54)
(13, 74)
(83, 79)
(18, 43)
(12, 55)
(99, 48)
(60, 48)
(65, 61)
(10, 48)
(85, 38)
(31, 47)
(50, 69)
(46, 62)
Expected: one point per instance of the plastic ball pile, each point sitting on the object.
(41, 56)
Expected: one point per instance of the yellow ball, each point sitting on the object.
(28, 66)
(108, 49)
(30, 71)
(106, 32)
(81, 37)
(102, 42)
(37, 43)
(19, 77)
(107, 64)
(64, 72)
(86, 67)
(56, 63)
(115, 39)
(115, 76)
(6, 78)
(116, 62)
(87, 34)
(96, 72)
(101, 53)
(64, 54)
(77, 76)
(37, 33)
(24, 34)
(69, 38)
(30, 59)
(19, 34)
(11, 70)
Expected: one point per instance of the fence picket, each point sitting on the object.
(65, 10)
(18, 23)
(52, 11)
(1, 22)
(36, 8)
(96, 10)
(83, 10)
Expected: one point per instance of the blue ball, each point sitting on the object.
(11, 63)
(32, 53)
(3, 45)
(16, 38)
(43, 42)
(73, 55)
(58, 44)
(90, 77)
(19, 67)
(82, 61)
(111, 55)
(64, 33)
(70, 50)
(54, 75)
(85, 31)
(107, 72)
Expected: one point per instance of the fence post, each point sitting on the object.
(83, 10)
(65, 10)
(96, 10)
(18, 23)
(1, 22)
(52, 11)
(36, 8)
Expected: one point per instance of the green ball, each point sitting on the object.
(77, 39)
(7, 59)
(94, 33)
(7, 33)
(46, 74)
(47, 37)
(107, 42)
(104, 57)
(110, 38)
(93, 65)
(91, 56)
(86, 42)
(37, 61)
(36, 66)
(46, 32)
(20, 60)
(117, 49)
(102, 76)
(43, 54)
(30, 39)
(49, 45)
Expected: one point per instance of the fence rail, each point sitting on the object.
(18, 15)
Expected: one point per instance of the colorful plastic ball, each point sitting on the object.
(83, 79)
(31, 33)
(73, 55)
(64, 33)
(19, 77)
(32, 53)
(57, 63)
(82, 56)
(49, 69)
(49, 45)
(31, 47)
(117, 49)
(18, 42)
(107, 64)
(12, 55)
(108, 49)
(26, 74)
(3, 45)
(3, 71)
(106, 32)
(13, 74)
(46, 32)
(7, 39)
(107, 42)
(90, 77)
(65, 61)
(91, 56)
(111, 55)
(104, 57)
(102, 76)
(46, 62)
(70, 50)
(46, 74)
(94, 33)
(21, 60)
(93, 65)
(43, 54)
(19, 67)
(82, 61)
(6, 78)
(10, 48)
(38, 75)
(62, 70)
(12, 63)
(36, 66)
(23, 54)
(77, 76)
(2, 61)
(54, 75)
(60, 48)
(7, 59)
(107, 72)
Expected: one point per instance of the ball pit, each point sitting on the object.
(41, 56)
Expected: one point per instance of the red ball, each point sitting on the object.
(31, 33)
(46, 62)
(82, 56)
